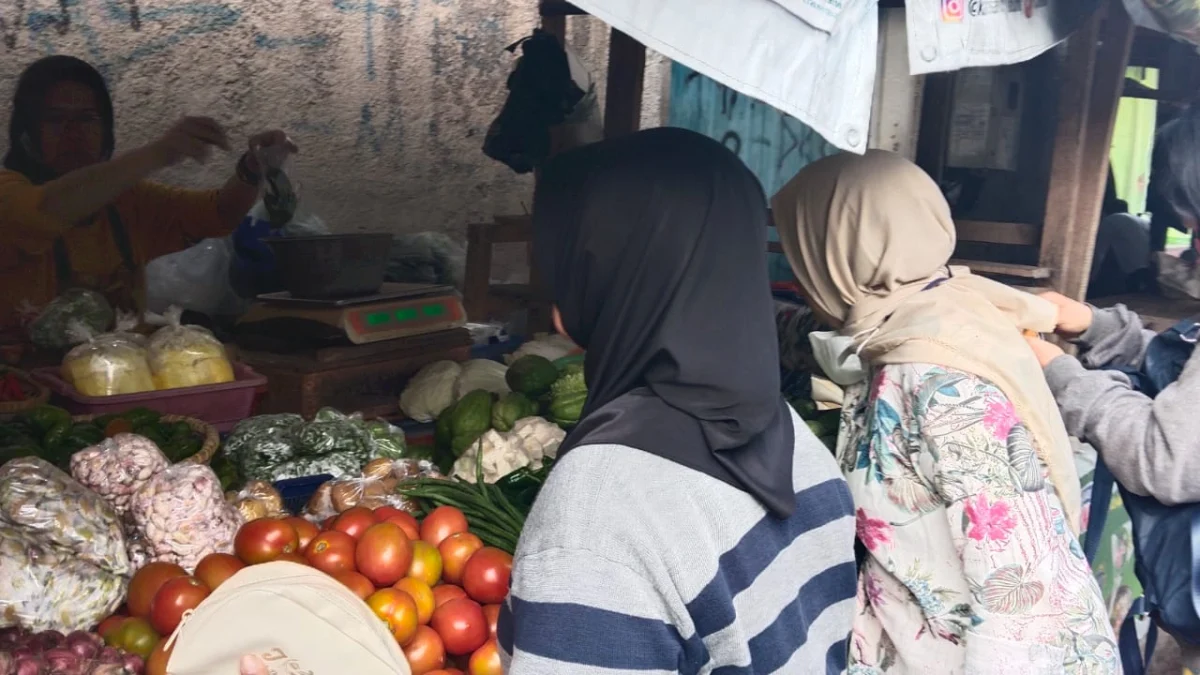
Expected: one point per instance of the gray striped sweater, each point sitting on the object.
(630, 563)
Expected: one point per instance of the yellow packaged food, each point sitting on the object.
(187, 356)
(107, 365)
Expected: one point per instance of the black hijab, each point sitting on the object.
(655, 247)
(38, 78)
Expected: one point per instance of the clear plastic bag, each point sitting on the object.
(186, 356)
(109, 364)
(195, 278)
(59, 513)
(43, 587)
(258, 499)
(182, 515)
(375, 487)
(426, 258)
(117, 467)
(52, 327)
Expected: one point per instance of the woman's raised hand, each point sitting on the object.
(190, 137)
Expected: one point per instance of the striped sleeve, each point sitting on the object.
(564, 618)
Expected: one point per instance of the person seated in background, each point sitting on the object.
(73, 215)
(1122, 259)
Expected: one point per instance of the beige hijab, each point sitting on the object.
(866, 236)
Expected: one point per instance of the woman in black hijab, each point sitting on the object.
(692, 521)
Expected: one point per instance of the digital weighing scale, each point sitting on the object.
(396, 311)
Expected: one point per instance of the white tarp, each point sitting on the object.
(945, 35)
(764, 49)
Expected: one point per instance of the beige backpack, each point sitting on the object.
(297, 619)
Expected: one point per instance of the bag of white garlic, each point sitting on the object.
(116, 467)
(182, 515)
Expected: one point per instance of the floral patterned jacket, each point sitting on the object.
(971, 567)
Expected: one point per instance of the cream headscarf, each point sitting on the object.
(866, 236)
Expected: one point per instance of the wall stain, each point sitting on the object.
(369, 9)
(315, 41)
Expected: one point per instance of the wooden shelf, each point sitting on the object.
(990, 232)
(1005, 269)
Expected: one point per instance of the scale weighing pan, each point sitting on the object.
(396, 311)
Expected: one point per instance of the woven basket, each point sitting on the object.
(212, 440)
(39, 395)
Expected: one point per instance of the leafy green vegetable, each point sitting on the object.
(511, 407)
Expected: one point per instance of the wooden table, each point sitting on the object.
(1158, 313)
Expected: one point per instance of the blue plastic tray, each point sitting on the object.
(297, 491)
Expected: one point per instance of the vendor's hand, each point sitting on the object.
(275, 140)
(252, 665)
(192, 137)
(1043, 350)
(1074, 317)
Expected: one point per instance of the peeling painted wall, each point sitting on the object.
(389, 99)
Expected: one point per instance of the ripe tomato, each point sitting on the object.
(449, 671)
(305, 530)
(485, 578)
(355, 521)
(383, 554)
(441, 523)
(146, 583)
(157, 663)
(456, 550)
(486, 660)
(397, 610)
(293, 557)
(327, 524)
(426, 563)
(425, 652)
(406, 521)
(174, 598)
(215, 568)
(445, 593)
(111, 623)
(492, 614)
(332, 552)
(264, 540)
(360, 585)
(421, 594)
(461, 625)
(135, 635)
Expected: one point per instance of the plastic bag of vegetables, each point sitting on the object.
(106, 365)
(387, 440)
(58, 512)
(258, 499)
(117, 467)
(186, 356)
(44, 587)
(183, 516)
(331, 431)
(262, 441)
(51, 328)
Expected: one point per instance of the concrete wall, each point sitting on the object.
(390, 99)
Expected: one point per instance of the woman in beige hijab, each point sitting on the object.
(965, 488)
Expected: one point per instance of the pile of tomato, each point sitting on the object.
(434, 584)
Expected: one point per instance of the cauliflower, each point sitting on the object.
(531, 441)
(550, 346)
(430, 391)
(481, 374)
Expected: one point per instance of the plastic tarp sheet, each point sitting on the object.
(824, 77)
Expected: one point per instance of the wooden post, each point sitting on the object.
(478, 274)
(1061, 198)
(1112, 55)
(623, 93)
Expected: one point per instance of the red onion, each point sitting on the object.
(48, 639)
(109, 655)
(83, 644)
(108, 669)
(24, 651)
(30, 665)
(61, 660)
(134, 664)
(8, 664)
(12, 637)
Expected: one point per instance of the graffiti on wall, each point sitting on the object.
(774, 145)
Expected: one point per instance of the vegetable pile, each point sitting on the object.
(12, 388)
(50, 432)
(434, 583)
(80, 653)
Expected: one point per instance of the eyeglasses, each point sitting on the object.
(58, 120)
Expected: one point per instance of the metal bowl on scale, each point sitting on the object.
(332, 266)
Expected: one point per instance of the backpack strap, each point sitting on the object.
(1133, 660)
(64, 273)
(1102, 489)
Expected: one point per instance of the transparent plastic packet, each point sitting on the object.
(185, 356)
(51, 327)
(331, 431)
(60, 514)
(107, 364)
(258, 499)
(44, 587)
(375, 487)
(117, 467)
(387, 439)
(182, 514)
(263, 441)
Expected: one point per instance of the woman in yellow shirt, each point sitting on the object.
(73, 215)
